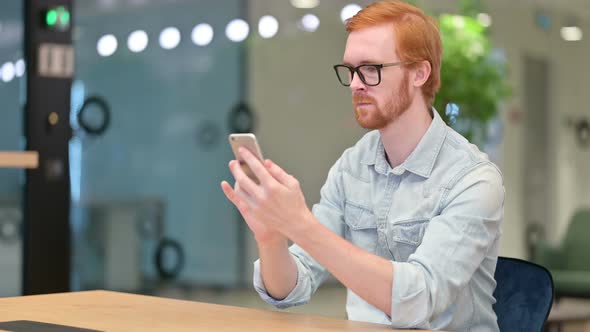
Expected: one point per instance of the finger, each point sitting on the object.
(235, 198)
(279, 174)
(245, 183)
(229, 192)
(256, 166)
(242, 193)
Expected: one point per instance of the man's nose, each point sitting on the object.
(357, 84)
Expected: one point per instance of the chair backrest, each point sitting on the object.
(524, 295)
(575, 245)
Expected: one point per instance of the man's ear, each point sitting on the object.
(421, 73)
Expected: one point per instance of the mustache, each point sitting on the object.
(359, 98)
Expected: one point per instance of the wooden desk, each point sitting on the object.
(112, 311)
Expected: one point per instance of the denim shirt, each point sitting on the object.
(436, 217)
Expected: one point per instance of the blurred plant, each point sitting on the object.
(473, 80)
(473, 75)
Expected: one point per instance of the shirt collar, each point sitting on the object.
(421, 160)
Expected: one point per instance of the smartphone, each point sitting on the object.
(249, 142)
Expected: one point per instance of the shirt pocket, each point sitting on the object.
(362, 226)
(404, 237)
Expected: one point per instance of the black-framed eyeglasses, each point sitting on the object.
(369, 73)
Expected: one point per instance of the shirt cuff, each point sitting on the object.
(299, 295)
(409, 298)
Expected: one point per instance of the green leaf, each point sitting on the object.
(469, 77)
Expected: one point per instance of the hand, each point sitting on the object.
(277, 202)
(262, 233)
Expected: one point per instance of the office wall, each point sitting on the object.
(514, 30)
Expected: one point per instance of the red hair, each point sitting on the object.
(417, 36)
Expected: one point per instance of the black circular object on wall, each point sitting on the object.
(94, 104)
(173, 247)
(583, 132)
(241, 119)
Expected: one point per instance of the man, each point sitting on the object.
(409, 218)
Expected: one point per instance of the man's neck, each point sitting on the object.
(402, 136)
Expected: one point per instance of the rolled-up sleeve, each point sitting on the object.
(299, 295)
(454, 245)
(310, 274)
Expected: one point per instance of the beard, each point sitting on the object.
(378, 118)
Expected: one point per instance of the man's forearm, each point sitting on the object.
(368, 275)
(277, 268)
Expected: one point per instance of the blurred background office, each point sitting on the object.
(158, 86)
